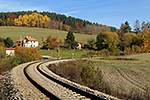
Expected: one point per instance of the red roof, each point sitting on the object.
(10, 48)
(31, 39)
(28, 38)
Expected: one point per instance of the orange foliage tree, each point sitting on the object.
(52, 43)
(79, 27)
(24, 54)
(146, 40)
(11, 16)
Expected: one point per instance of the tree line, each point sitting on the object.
(137, 41)
(52, 21)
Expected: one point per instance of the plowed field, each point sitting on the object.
(127, 76)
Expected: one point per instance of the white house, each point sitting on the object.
(10, 51)
(79, 45)
(29, 42)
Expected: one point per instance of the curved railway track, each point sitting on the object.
(52, 87)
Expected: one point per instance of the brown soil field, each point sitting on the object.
(126, 76)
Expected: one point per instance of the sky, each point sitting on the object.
(106, 12)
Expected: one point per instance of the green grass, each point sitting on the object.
(144, 57)
(63, 54)
(38, 33)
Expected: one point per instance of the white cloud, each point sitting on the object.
(71, 12)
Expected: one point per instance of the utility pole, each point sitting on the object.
(58, 51)
(21, 37)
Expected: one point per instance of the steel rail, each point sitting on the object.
(42, 89)
(80, 91)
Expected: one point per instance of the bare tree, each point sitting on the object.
(137, 26)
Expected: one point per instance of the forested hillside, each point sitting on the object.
(52, 21)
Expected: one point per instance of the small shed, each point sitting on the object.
(10, 51)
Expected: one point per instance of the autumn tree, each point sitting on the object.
(24, 54)
(32, 20)
(79, 27)
(145, 26)
(137, 26)
(10, 22)
(128, 40)
(52, 43)
(11, 16)
(67, 27)
(124, 28)
(2, 23)
(107, 40)
(2, 49)
(145, 46)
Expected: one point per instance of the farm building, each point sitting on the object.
(28, 42)
(10, 51)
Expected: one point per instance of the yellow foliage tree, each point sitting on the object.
(146, 40)
(111, 40)
(32, 20)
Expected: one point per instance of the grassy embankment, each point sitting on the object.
(38, 33)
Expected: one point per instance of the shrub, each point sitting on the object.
(116, 53)
(104, 52)
(25, 54)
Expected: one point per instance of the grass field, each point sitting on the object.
(63, 53)
(127, 76)
(143, 57)
(38, 33)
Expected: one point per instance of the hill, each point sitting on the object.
(38, 33)
(52, 21)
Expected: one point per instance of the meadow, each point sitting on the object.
(64, 53)
(38, 33)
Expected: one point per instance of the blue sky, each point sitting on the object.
(106, 12)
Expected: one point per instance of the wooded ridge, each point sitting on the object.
(54, 21)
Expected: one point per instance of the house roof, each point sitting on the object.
(31, 39)
(28, 38)
(10, 48)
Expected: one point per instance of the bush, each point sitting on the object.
(104, 52)
(25, 54)
(22, 55)
(116, 53)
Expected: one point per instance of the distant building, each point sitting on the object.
(28, 42)
(10, 51)
(79, 45)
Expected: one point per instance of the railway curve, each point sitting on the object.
(52, 86)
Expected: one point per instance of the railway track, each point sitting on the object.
(52, 87)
